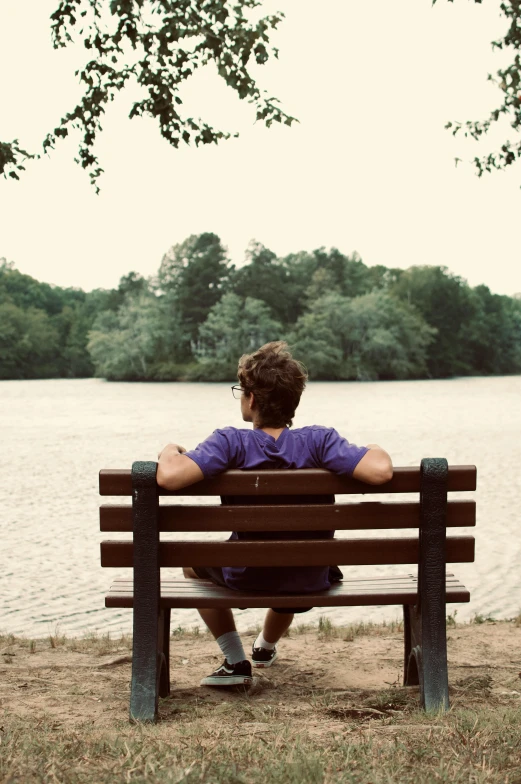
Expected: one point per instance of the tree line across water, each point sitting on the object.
(191, 321)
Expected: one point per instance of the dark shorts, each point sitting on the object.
(215, 574)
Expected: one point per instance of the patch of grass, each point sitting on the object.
(91, 642)
(409, 748)
(322, 700)
(479, 618)
(287, 731)
(451, 618)
(101, 644)
(388, 626)
(479, 685)
(393, 700)
(326, 628)
(355, 630)
(178, 633)
(302, 628)
(56, 639)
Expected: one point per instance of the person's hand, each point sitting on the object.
(172, 448)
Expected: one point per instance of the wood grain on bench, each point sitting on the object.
(200, 593)
(309, 481)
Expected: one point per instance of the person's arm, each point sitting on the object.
(375, 467)
(175, 470)
(209, 458)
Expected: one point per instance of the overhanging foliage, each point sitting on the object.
(157, 45)
(509, 82)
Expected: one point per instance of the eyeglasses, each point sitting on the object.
(237, 392)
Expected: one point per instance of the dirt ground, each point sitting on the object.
(73, 681)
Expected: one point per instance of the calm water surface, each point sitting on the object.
(57, 434)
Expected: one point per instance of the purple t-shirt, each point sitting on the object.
(305, 447)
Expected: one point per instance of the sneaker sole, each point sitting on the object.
(232, 680)
(263, 664)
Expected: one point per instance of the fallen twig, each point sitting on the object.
(115, 662)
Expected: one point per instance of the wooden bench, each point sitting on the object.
(422, 594)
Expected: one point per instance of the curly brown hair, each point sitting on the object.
(277, 381)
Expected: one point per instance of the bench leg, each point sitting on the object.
(164, 647)
(412, 643)
(434, 680)
(146, 667)
(150, 670)
(425, 659)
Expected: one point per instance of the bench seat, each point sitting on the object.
(182, 593)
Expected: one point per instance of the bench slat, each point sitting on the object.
(311, 517)
(312, 481)
(354, 552)
(125, 584)
(200, 593)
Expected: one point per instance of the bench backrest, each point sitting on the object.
(283, 501)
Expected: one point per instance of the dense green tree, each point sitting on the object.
(75, 324)
(445, 302)
(26, 292)
(299, 268)
(316, 343)
(64, 319)
(194, 275)
(234, 326)
(349, 273)
(131, 285)
(175, 346)
(310, 275)
(124, 345)
(72, 358)
(491, 341)
(197, 317)
(29, 343)
(322, 283)
(99, 300)
(265, 278)
(365, 338)
(157, 45)
(382, 277)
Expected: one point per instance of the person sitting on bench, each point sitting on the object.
(271, 382)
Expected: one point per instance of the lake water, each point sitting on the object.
(57, 434)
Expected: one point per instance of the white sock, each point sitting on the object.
(260, 642)
(231, 645)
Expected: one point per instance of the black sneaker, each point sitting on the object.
(262, 657)
(230, 675)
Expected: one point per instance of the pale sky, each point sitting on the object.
(369, 168)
